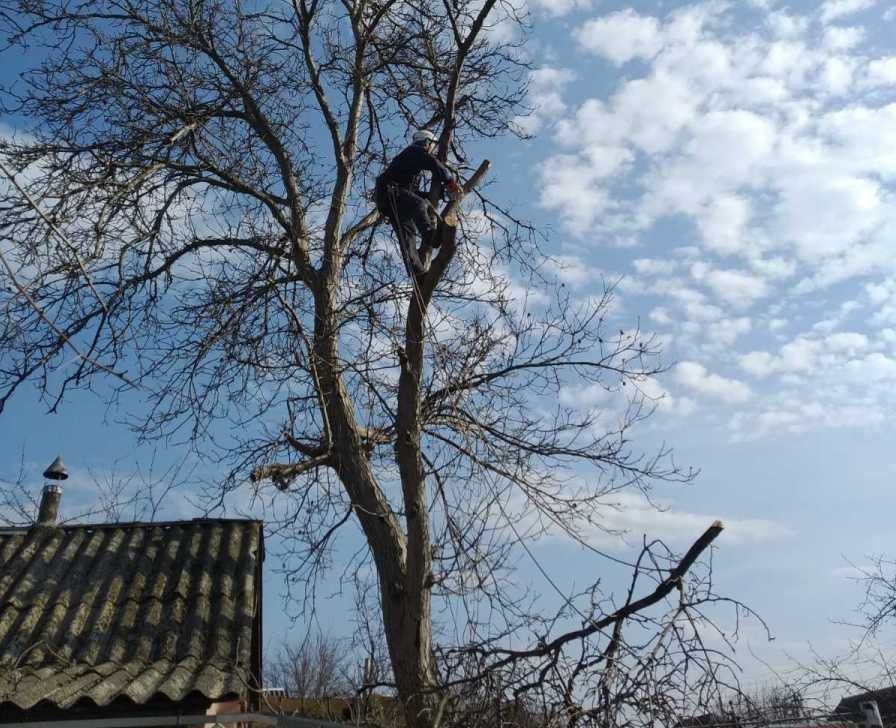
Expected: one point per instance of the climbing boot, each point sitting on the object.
(413, 259)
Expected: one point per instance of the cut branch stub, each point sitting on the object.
(449, 214)
(447, 230)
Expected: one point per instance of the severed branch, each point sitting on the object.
(665, 587)
(447, 232)
(282, 474)
(449, 214)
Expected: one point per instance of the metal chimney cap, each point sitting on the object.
(57, 470)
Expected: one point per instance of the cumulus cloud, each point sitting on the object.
(584, 397)
(801, 415)
(882, 71)
(832, 356)
(545, 97)
(849, 341)
(631, 514)
(694, 376)
(763, 157)
(835, 9)
(622, 36)
(654, 266)
(572, 187)
(736, 139)
(572, 270)
(840, 39)
(725, 332)
(558, 8)
(736, 287)
(654, 392)
(874, 367)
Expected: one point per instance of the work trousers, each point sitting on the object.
(408, 213)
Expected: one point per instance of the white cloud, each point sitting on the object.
(545, 97)
(571, 187)
(694, 376)
(774, 268)
(654, 266)
(824, 215)
(634, 515)
(799, 355)
(724, 333)
(662, 399)
(848, 341)
(756, 168)
(827, 356)
(741, 145)
(572, 270)
(882, 71)
(660, 315)
(557, 8)
(621, 36)
(758, 363)
(735, 287)
(874, 367)
(785, 25)
(861, 138)
(840, 39)
(837, 75)
(852, 572)
(584, 397)
(796, 416)
(834, 9)
(722, 222)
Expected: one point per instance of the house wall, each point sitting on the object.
(13, 715)
(232, 706)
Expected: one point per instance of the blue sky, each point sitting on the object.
(730, 166)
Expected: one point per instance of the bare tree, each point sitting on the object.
(187, 227)
(314, 667)
(769, 702)
(878, 608)
(867, 664)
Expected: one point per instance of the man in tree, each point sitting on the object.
(208, 256)
(400, 200)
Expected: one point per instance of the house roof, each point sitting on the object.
(885, 699)
(128, 611)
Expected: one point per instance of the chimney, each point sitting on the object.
(872, 714)
(52, 493)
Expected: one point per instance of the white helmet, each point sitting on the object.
(424, 136)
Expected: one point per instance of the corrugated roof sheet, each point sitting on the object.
(885, 699)
(127, 610)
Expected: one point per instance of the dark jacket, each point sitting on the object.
(403, 170)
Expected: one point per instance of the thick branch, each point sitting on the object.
(665, 587)
(283, 474)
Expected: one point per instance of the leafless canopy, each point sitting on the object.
(189, 233)
(315, 667)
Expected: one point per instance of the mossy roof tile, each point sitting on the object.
(131, 610)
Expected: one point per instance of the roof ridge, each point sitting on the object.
(156, 524)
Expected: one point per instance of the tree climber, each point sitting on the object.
(404, 205)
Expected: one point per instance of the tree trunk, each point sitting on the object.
(403, 563)
(408, 625)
